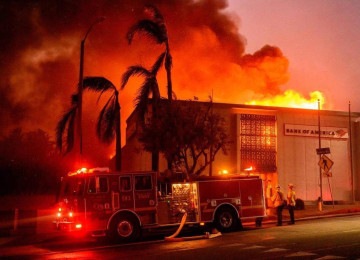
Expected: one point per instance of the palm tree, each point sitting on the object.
(149, 87)
(108, 124)
(156, 29)
(67, 123)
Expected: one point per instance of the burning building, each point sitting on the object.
(282, 146)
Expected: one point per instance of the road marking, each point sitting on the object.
(300, 253)
(331, 257)
(350, 231)
(253, 247)
(232, 245)
(272, 250)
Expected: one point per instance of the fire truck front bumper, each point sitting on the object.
(65, 225)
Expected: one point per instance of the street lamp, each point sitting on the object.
(81, 75)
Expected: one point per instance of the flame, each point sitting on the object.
(215, 61)
(293, 99)
(249, 169)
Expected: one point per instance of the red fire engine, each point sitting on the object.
(121, 205)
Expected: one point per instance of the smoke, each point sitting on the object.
(40, 45)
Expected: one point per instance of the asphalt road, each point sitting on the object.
(329, 238)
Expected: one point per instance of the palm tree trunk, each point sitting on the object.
(155, 161)
(118, 136)
(168, 64)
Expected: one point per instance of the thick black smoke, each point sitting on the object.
(39, 57)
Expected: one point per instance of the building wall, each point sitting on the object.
(355, 145)
(296, 160)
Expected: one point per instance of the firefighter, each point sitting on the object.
(278, 200)
(291, 202)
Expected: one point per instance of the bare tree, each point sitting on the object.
(188, 134)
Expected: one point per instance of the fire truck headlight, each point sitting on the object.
(78, 226)
(70, 214)
(58, 214)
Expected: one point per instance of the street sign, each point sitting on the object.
(325, 164)
(325, 150)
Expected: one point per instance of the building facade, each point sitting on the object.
(282, 146)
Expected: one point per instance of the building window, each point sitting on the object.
(258, 142)
(143, 182)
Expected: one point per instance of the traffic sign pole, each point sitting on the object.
(320, 201)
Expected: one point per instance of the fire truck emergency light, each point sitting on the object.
(86, 170)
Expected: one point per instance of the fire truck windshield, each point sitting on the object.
(72, 187)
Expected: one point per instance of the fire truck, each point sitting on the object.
(121, 205)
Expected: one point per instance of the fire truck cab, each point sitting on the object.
(122, 204)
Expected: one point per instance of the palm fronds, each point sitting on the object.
(66, 123)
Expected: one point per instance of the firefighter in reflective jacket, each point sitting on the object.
(291, 202)
(278, 200)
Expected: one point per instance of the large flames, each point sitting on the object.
(293, 99)
(209, 58)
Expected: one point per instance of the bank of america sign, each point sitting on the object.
(313, 131)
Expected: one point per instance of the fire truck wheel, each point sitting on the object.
(125, 228)
(226, 219)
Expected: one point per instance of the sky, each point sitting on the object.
(319, 38)
(278, 52)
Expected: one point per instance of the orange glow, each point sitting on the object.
(78, 226)
(82, 170)
(293, 99)
(224, 172)
(249, 169)
(86, 170)
(215, 47)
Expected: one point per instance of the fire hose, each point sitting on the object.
(174, 238)
(182, 223)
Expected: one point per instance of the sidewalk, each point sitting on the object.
(312, 212)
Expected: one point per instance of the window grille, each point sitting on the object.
(258, 142)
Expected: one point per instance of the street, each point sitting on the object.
(330, 238)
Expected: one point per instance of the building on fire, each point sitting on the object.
(282, 146)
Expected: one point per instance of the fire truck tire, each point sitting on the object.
(226, 220)
(125, 228)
